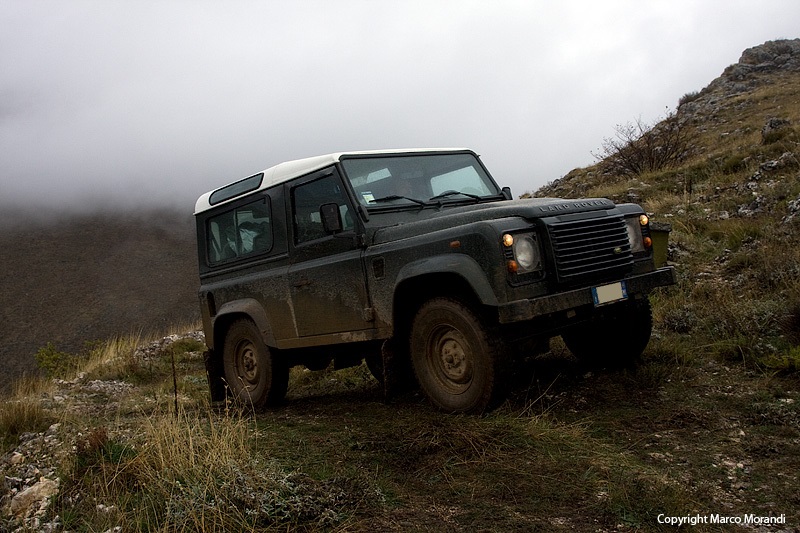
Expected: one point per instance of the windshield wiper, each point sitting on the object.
(445, 194)
(398, 197)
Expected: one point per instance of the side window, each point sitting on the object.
(306, 201)
(244, 231)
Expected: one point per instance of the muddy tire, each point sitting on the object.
(616, 340)
(455, 356)
(254, 376)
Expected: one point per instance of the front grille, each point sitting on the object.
(590, 249)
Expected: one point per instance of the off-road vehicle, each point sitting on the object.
(418, 262)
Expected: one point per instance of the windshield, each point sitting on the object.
(414, 180)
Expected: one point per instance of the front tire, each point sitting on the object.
(253, 374)
(456, 357)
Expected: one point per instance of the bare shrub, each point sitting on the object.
(688, 97)
(638, 147)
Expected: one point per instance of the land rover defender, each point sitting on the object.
(418, 262)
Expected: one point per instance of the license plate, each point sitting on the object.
(607, 294)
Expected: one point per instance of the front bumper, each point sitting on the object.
(528, 309)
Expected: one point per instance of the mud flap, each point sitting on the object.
(216, 383)
(398, 377)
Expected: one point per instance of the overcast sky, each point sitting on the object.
(139, 102)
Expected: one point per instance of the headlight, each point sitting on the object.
(634, 226)
(526, 253)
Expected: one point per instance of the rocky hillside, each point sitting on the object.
(732, 204)
(734, 115)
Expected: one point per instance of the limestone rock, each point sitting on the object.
(35, 496)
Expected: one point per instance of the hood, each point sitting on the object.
(415, 222)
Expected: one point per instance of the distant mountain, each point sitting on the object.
(83, 277)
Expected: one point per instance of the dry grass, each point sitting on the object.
(115, 357)
(663, 204)
(22, 411)
(177, 473)
(197, 471)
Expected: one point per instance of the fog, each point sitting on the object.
(121, 104)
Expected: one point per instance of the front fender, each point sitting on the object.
(461, 265)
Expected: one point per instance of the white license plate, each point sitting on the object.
(607, 294)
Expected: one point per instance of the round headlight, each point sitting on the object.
(634, 236)
(526, 253)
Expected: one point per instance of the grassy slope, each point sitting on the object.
(567, 452)
(702, 426)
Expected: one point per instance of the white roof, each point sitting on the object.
(288, 170)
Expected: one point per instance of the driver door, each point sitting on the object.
(326, 275)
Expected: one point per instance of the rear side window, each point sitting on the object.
(241, 232)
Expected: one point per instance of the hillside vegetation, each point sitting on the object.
(708, 425)
(733, 206)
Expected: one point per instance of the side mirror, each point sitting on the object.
(507, 193)
(331, 217)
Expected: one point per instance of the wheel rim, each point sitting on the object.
(247, 363)
(450, 356)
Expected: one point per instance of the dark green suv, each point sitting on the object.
(418, 262)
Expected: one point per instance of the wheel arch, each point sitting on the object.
(249, 308)
(455, 276)
(413, 292)
(246, 308)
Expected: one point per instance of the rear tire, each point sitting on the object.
(456, 358)
(616, 340)
(255, 377)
